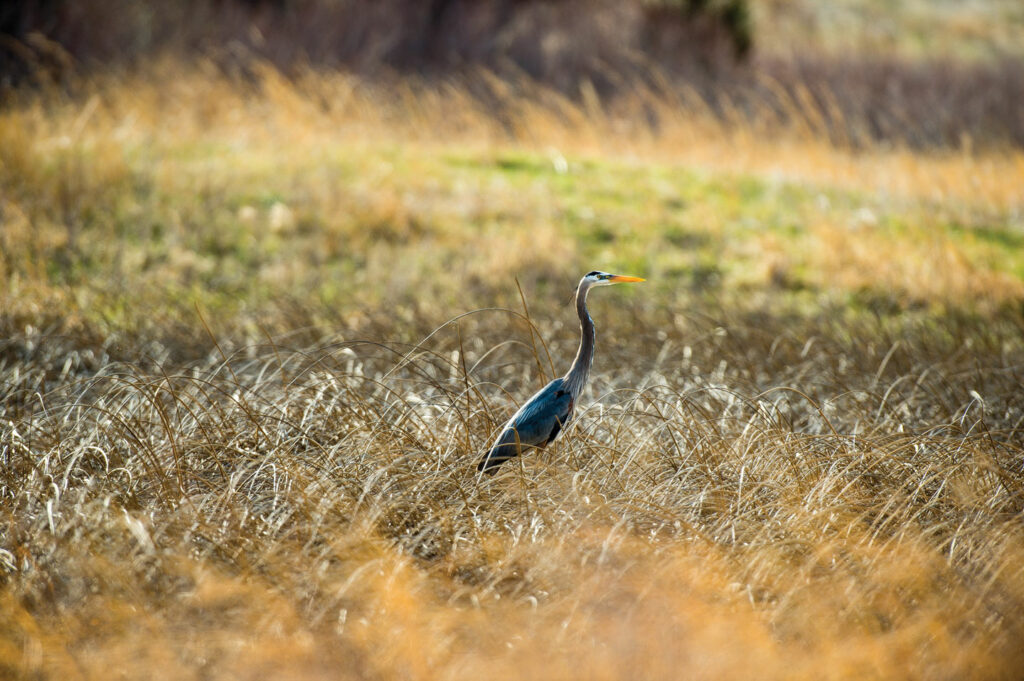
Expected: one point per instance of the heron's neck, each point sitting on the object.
(578, 373)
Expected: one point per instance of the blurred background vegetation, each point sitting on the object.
(922, 73)
(201, 150)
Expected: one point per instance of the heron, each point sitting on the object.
(542, 418)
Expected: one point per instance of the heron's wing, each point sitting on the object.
(536, 424)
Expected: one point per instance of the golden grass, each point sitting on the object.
(165, 108)
(810, 471)
(318, 520)
(196, 177)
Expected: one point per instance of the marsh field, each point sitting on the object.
(258, 324)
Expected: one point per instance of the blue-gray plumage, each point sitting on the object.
(544, 415)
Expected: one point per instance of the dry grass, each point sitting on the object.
(800, 455)
(317, 514)
(921, 74)
(976, 29)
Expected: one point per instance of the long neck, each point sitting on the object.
(576, 378)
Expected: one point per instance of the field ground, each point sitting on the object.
(241, 409)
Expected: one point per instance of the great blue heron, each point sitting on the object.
(539, 421)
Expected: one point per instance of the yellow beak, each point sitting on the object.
(623, 279)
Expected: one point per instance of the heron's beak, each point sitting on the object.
(623, 279)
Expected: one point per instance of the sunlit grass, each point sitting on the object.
(238, 437)
(200, 187)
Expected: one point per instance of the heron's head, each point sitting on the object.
(596, 278)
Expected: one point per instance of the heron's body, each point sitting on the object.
(542, 418)
(536, 424)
